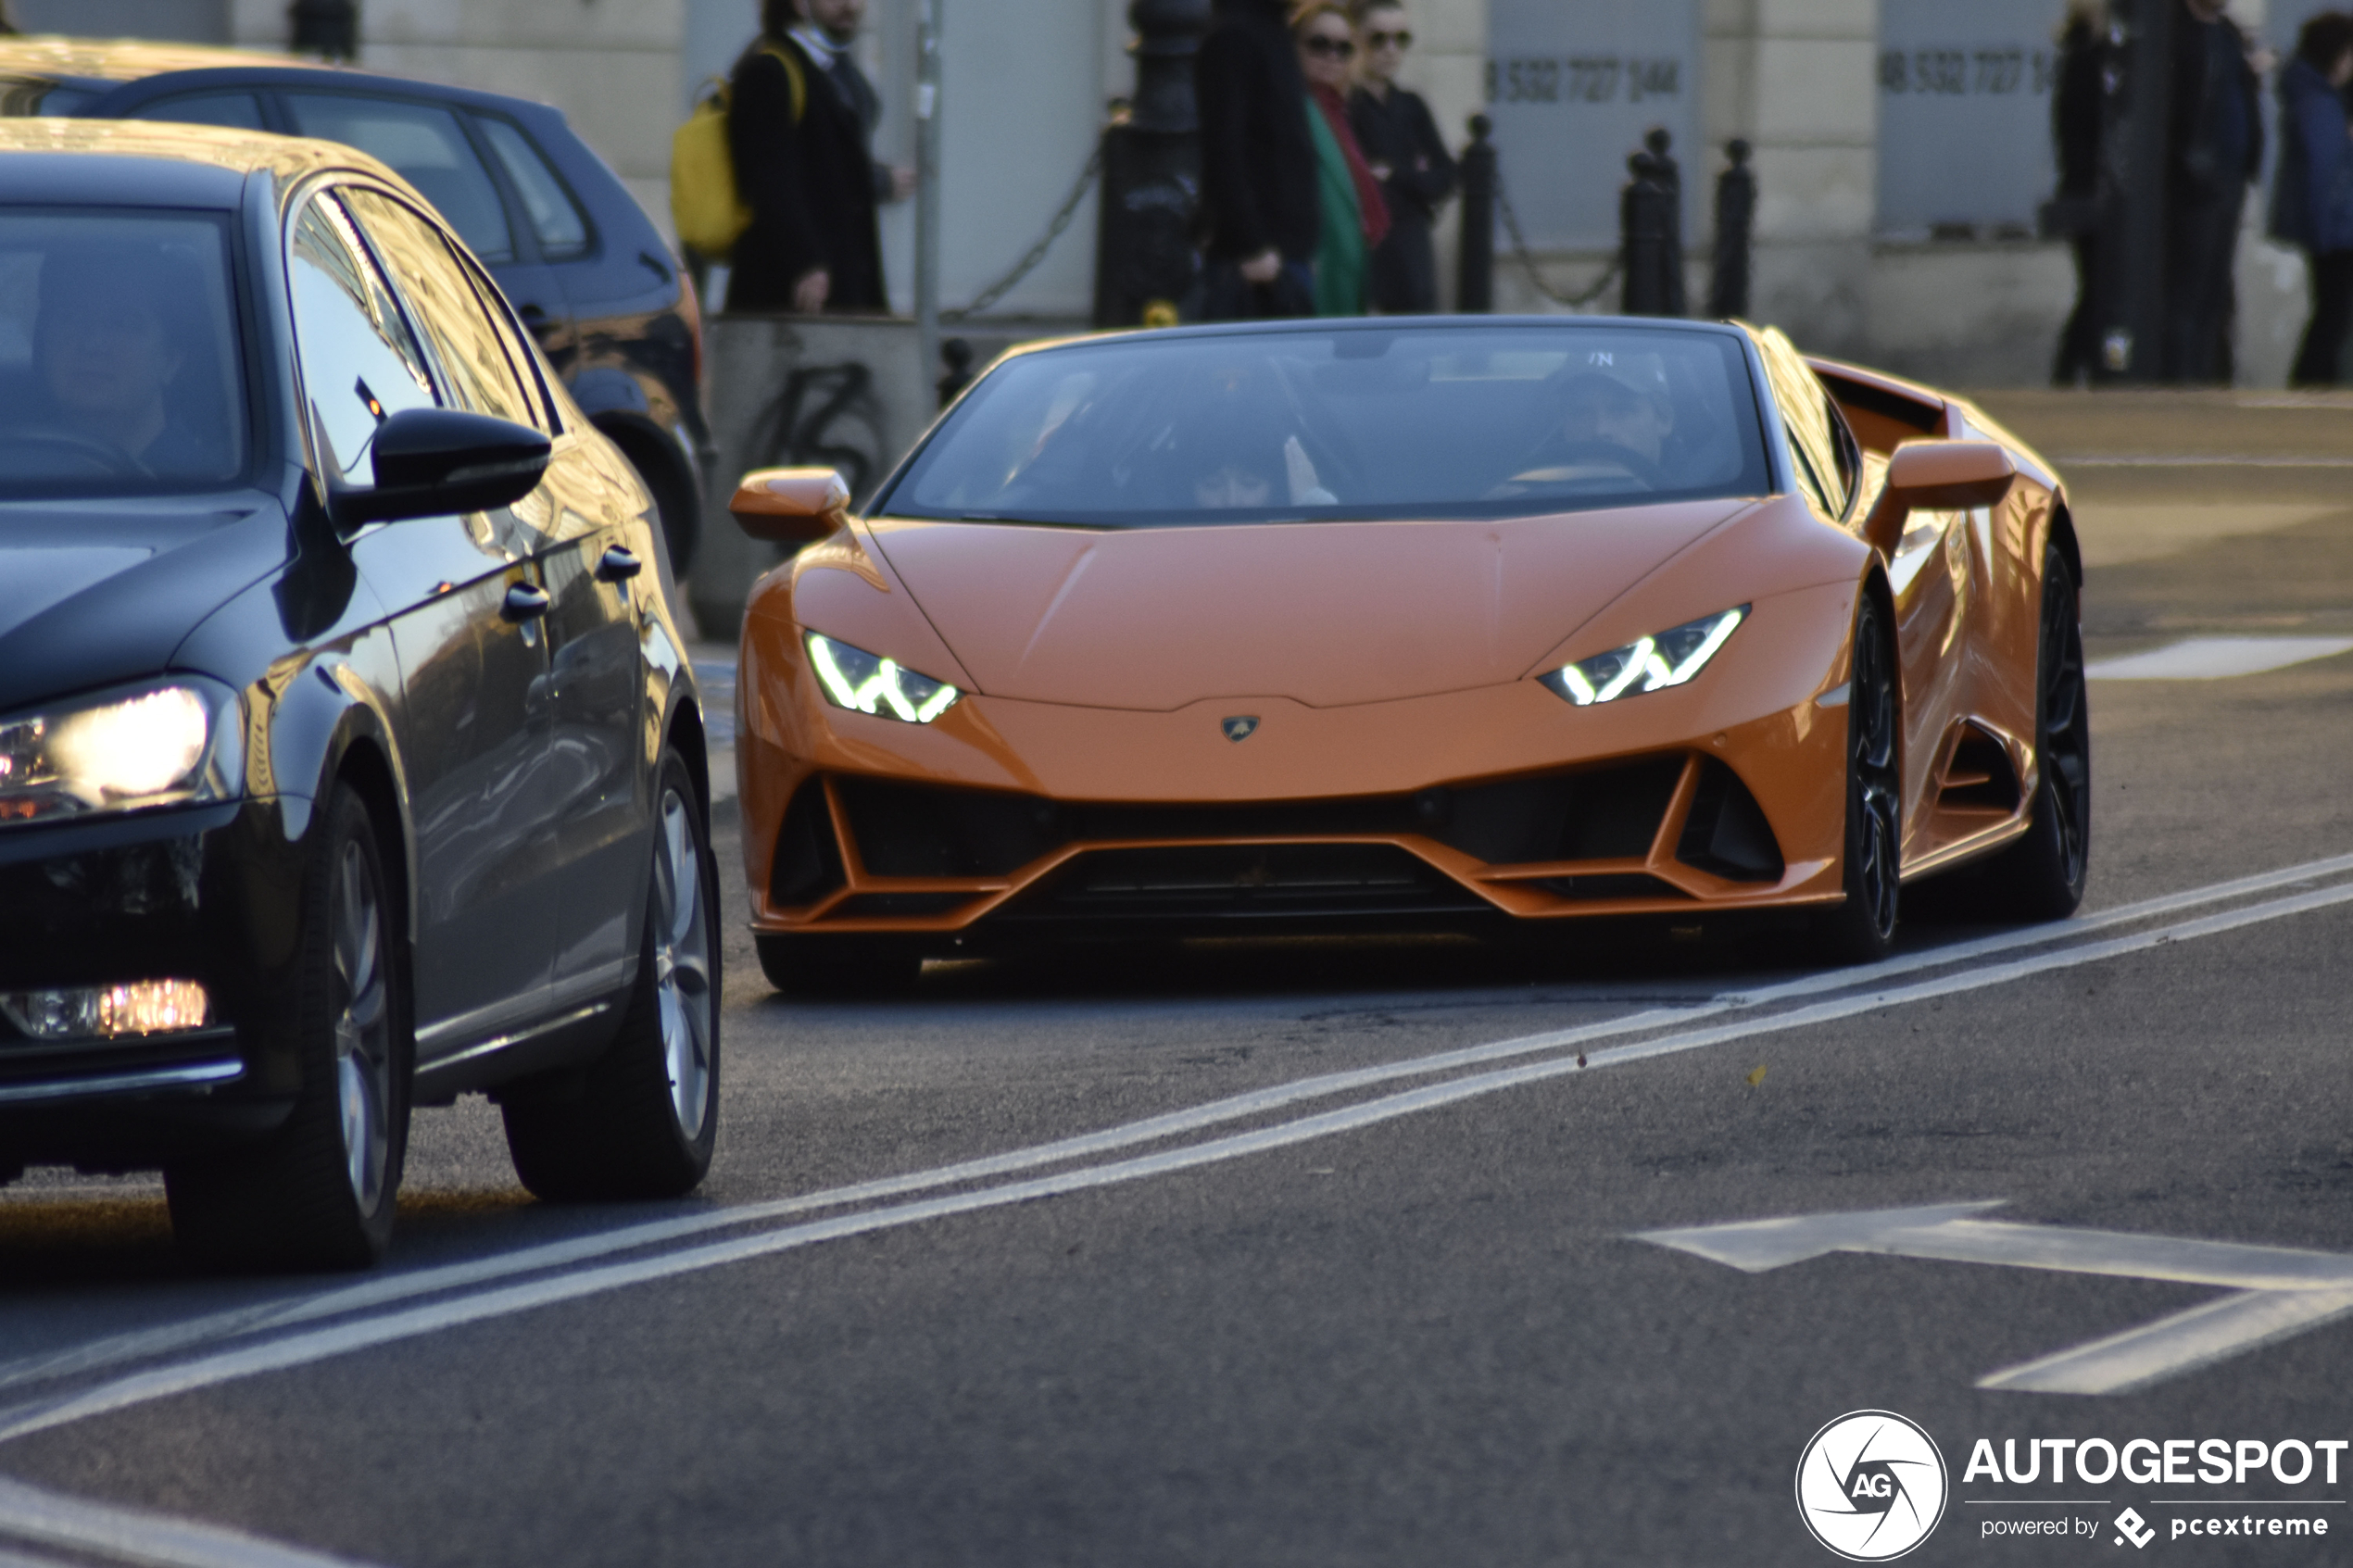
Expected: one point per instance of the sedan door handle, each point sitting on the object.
(619, 566)
(525, 601)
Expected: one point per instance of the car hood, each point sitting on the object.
(1327, 613)
(101, 591)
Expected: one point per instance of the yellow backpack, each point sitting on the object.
(704, 203)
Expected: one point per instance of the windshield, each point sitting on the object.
(119, 363)
(1418, 422)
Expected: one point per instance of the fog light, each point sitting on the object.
(108, 1013)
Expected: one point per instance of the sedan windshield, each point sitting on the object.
(1363, 423)
(119, 363)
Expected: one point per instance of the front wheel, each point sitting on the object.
(641, 1122)
(2042, 876)
(320, 1193)
(1863, 929)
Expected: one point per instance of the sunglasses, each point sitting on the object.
(1330, 48)
(1401, 39)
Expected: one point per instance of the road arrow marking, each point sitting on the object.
(2278, 1291)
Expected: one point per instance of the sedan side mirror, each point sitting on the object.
(432, 461)
(1942, 476)
(790, 505)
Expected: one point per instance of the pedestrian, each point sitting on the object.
(1355, 215)
(2076, 110)
(1259, 213)
(2312, 191)
(797, 137)
(1407, 154)
(2214, 150)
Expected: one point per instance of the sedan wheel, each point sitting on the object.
(641, 1122)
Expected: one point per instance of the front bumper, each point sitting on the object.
(1011, 818)
(210, 893)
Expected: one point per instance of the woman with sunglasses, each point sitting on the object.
(1355, 215)
(1407, 155)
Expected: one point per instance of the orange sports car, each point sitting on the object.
(1397, 622)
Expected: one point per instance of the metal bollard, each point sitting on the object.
(1151, 170)
(1474, 281)
(956, 358)
(1644, 238)
(1735, 232)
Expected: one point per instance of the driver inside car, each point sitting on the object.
(108, 358)
(1600, 408)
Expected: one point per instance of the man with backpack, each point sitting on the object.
(797, 134)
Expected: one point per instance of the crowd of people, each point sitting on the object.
(2214, 155)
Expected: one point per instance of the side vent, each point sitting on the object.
(1727, 835)
(808, 862)
(1979, 777)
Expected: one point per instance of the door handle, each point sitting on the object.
(525, 601)
(619, 566)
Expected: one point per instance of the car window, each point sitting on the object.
(359, 364)
(474, 359)
(238, 111)
(119, 368)
(426, 146)
(556, 219)
(1808, 419)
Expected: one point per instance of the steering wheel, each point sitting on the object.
(1636, 467)
(102, 456)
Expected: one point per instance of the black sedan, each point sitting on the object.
(583, 266)
(349, 755)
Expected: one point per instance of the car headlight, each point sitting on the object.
(153, 748)
(867, 682)
(1652, 665)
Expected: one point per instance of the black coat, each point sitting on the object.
(809, 184)
(2077, 108)
(2193, 160)
(1257, 155)
(1399, 131)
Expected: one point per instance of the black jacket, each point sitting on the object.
(2194, 162)
(2076, 108)
(1399, 131)
(1257, 156)
(809, 184)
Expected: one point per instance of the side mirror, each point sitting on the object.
(1945, 476)
(790, 505)
(432, 461)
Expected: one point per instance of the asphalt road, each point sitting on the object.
(1331, 1252)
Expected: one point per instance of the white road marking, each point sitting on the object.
(391, 1288)
(301, 1350)
(2217, 659)
(122, 1535)
(2279, 1291)
(2205, 460)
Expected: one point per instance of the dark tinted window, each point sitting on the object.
(425, 146)
(1416, 422)
(474, 359)
(119, 368)
(555, 218)
(32, 94)
(238, 111)
(359, 363)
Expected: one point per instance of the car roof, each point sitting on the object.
(123, 59)
(1320, 326)
(142, 154)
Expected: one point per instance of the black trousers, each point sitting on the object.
(2317, 362)
(2079, 346)
(2201, 243)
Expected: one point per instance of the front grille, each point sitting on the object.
(897, 906)
(1610, 888)
(1244, 882)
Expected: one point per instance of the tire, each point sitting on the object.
(1863, 929)
(641, 1122)
(2042, 876)
(838, 966)
(321, 1193)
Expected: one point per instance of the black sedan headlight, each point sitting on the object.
(1653, 664)
(868, 683)
(159, 745)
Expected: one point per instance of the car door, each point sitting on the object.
(596, 791)
(472, 728)
(434, 147)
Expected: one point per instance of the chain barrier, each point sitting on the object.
(1527, 258)
(1036, 253)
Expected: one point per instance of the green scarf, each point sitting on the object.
(1340, 258)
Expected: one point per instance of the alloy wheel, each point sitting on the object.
(1878, 788)
(2066, 739)
(682, 963)
(362, 1026)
